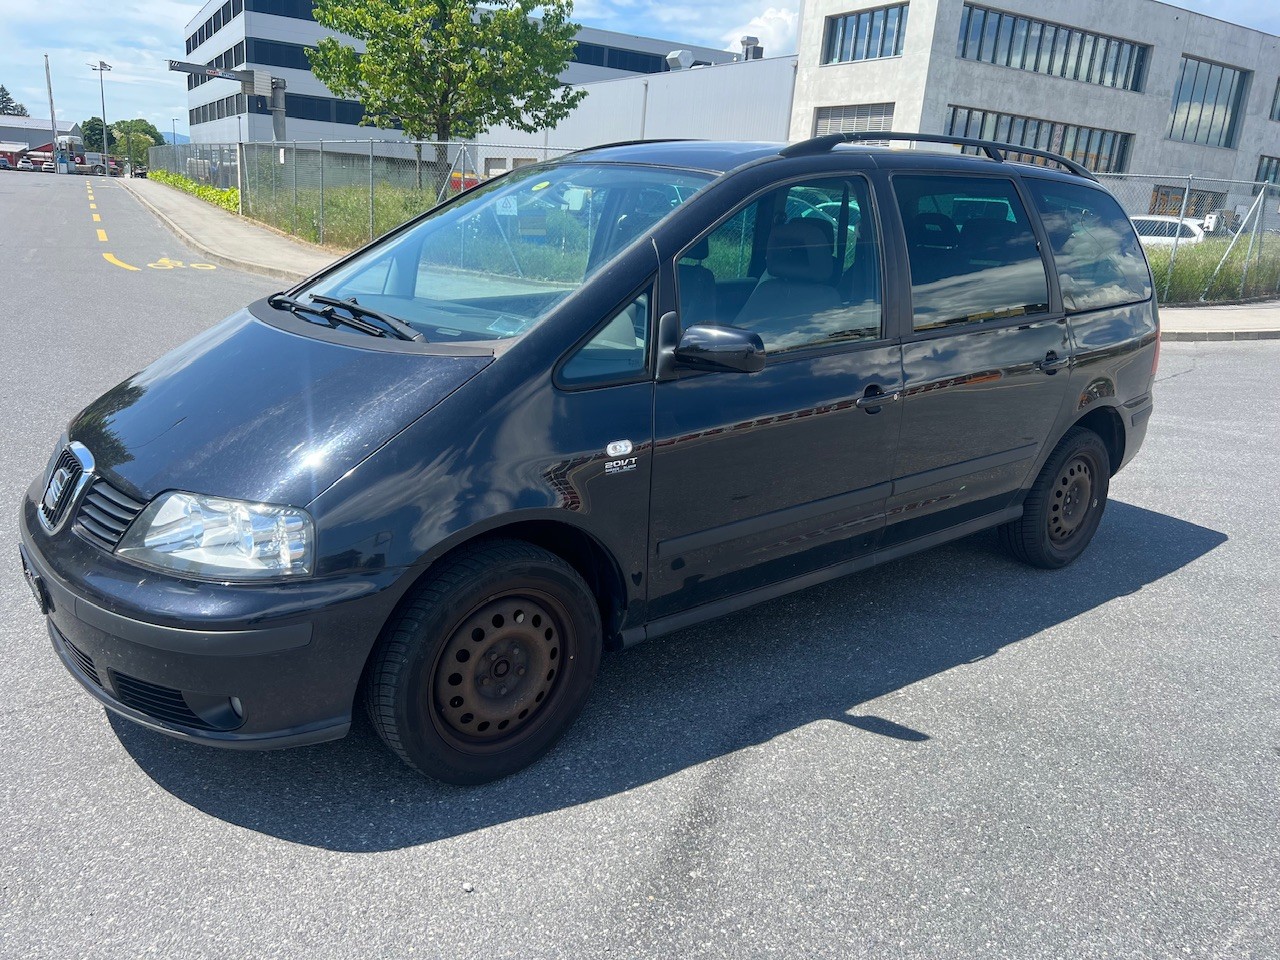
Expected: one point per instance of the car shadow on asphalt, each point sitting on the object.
(679, 701)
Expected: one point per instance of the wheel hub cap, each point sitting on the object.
(498, 668)
(1072, 499)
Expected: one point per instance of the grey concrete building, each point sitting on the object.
(1119, 85)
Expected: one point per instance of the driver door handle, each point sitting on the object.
(874, 398)
(1052, 363)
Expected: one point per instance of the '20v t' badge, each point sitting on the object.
(621, 462)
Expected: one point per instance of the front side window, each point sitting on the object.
(799, 265)
(1100, 262)
(495, 263)
(617, 352)
(972, 251)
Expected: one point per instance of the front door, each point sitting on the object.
(764, 477)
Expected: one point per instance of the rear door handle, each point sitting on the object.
(874, 398)
(1052, 363)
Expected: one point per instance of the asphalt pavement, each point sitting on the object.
(950, 756)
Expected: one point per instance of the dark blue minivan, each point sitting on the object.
(581, 405)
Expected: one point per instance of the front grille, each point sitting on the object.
(68, 462)
(163, 703)
(105, 514)
(83, 661)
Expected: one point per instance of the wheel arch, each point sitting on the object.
(1107, 423)
(588, 556)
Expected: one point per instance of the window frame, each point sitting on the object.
(645, 374)
(888, 320)
(1055, 312)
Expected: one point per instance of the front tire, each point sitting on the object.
(488, 662)
(1062, 512)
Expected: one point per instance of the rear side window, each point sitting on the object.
(972, 251)
(1100, 262)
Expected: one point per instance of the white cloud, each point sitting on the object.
(776, 29)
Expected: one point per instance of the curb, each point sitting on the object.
(1201, 336)
(219, 258)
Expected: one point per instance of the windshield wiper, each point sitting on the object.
(395, 325)
(282, 301)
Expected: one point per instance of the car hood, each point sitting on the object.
(249, 411)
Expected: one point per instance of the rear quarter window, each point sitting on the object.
(1099, 260)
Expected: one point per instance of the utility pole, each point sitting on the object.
(174, 141)
(53, 117)
(100, 69)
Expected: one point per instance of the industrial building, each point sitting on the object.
(273, 35)
(1118, 85)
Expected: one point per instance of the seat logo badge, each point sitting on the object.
(57, 485)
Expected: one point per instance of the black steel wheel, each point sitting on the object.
(1064, 506)
(487, 663)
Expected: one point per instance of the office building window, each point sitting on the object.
(1207, 103)
(616, 58)
(1268, 169)
(1275, 103)
(272, 53)
(1103, 151)
(1042, 47)
(221, 17)
(295, 9)
(866, 35)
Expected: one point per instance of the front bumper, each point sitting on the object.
(249, 667)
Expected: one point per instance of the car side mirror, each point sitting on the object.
(720, 348)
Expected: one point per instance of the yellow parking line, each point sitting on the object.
(93, 206)
(111, 258)
(97, 218)
(102, 235)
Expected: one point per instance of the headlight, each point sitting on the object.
(221, 539)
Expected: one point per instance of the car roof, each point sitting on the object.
(721, 156)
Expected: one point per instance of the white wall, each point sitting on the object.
(748, 100)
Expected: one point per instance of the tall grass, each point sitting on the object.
(1193, 270)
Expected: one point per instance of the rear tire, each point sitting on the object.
(487, 663)
(1065, 505)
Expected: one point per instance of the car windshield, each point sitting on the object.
(493, 264)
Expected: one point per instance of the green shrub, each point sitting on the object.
(1193, 271)
(228, 199)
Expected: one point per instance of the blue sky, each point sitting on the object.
(138, 36)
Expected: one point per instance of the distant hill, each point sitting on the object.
(182, 138)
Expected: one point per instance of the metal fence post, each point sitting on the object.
(1253, 237)
(241, 180)
(1173, 254)
(370, 189)
(321, 236)
(294, 231)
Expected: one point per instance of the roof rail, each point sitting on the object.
(994, 150)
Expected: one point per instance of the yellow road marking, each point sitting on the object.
(102, 235)
(97, 218)
(93, 206)
(110, 258)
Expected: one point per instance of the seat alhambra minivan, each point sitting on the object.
(582, 405)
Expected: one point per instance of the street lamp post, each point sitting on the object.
(101, 68)
(174, 121)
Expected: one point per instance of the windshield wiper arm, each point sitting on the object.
(282, 301)
(395, 325)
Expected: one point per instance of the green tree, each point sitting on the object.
(449, 68)
(135, 138)
(91, 133)
(10, 107)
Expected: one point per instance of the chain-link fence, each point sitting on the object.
(1206, 239)
(343, 192)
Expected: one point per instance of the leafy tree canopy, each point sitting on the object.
(10, 107)
(91, 133)
(450, 69)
